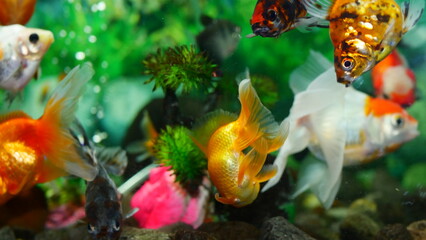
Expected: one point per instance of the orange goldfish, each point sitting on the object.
(339, 125)
(21, 51)
(39, 150)
(364, 32)
(16, 11)
(394, 80)
(236, 149)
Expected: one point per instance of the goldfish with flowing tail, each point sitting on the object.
(236, 148)
(40, 150)
(364, 32)
(339, 125)
(394, 80)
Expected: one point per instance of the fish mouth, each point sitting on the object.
(345, 80)
(263, 31)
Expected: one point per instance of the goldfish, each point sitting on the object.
(236, 148)
(364, 32)
(21, 51)
(103, 201)
(39, 150)
(339, 125)
(394, 80)
(16, 11)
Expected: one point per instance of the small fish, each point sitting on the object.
(236, 148)
(364, 32)
(16, 11)
(40, 150)
(342, 126)
(219, 39)
(394, 80)
(21, 51)
(103, 204)
(271, 18)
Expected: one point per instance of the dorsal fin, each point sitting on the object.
(412, 12)
(209, 123)
(318, 8)
(13, 115)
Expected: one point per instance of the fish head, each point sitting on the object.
(394, 124)
(352, 58)
(104, 220)
(268, 20)
(33, 43)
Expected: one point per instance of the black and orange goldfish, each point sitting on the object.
(364, 32)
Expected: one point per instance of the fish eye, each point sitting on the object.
(34, 38)
(116, 226)
(271, 15)
(347, 64)
(398, 121)
(91, 229)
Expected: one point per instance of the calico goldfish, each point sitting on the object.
(364, 32)
(236, 148)
(394, 80)
(16, 11)
(21, 51)
(39, 150)
(274, 17)
(342, 126)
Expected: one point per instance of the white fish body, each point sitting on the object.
(332, 122)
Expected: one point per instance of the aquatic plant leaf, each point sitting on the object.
(177, 66)
(175, 148)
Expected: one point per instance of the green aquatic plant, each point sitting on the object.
(179, 66)
(175, 148)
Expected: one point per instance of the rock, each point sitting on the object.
(278, 228)
(394, 232)
(80, 233)
(230, 230)
(418, 230)
(358, 226)
(191, 235)
(6, 233)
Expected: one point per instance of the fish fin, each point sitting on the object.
(252, 163)
(56, 142)
(314, 66)
(49, 172)
(208, 124)
(412, 12)
(267, 172)
(318, 8)
(114, 159)
(314, 176)
(13, 115)
(306, 24)
(297, 140)
(255, 120)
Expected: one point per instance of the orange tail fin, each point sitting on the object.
(56, 142)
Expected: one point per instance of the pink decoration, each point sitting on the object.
(162, 201)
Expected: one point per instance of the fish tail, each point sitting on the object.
(56, 142)
(257, 121)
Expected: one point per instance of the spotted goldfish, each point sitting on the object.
(364, 32)
(236, 148)
(394, 80)
(271, 18)
(39, 150)
(16, 11)
(21, 51)
(342, 126)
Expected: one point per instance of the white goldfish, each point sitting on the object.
(21, 50)
(341, 126)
